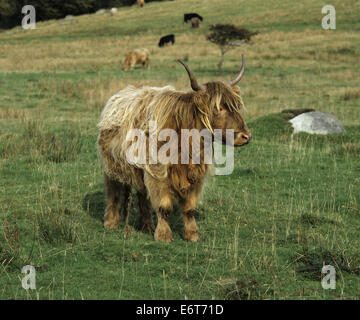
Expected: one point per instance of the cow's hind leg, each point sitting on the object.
(162, 201)
(125, 196)
(113, 190)
(146, 222)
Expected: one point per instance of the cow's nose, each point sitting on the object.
(246, 137)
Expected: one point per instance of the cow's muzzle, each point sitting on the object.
(242, 138)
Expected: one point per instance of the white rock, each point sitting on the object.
(317, 122)
(100, 11)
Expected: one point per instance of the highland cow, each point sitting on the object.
(137, 56)
(140, 3)
(211, 106)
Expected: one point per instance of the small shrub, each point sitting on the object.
(228, 37)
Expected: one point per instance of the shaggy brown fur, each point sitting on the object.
(215, 107)
(137, 56)
(140, 3)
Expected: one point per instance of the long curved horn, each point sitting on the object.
(194, 84)
(239, 76)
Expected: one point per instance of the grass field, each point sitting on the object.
(290, 206)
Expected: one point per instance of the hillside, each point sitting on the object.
(290, 206)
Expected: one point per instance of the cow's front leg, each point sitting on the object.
(188, 206)
(163, 231)
(113, 193)
(190, 227)
(162, 201)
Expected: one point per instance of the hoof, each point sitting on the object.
(111, 224)
(147, 227)
(163, 235)
(192, 236)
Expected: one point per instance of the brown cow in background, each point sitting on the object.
(137, 56)
(140, 3)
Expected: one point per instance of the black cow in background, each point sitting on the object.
(189, 16)
(166, 39)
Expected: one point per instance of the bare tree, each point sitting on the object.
(227, 37)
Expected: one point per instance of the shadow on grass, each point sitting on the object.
(94, 204)
(314, 221)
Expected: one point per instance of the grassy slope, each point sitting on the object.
(290, 206)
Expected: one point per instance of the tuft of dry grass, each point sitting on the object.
(57, 226)
(12, 113)
(37, 143)
(351, 94)
(10, 252)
